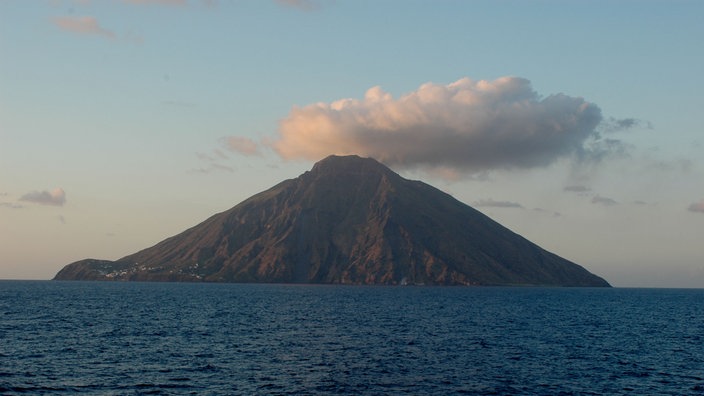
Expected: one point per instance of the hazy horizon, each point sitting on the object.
(125, 122)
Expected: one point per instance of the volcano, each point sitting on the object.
(349, 220)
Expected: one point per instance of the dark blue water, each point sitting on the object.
(165, 338)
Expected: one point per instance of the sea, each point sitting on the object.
(114, 338)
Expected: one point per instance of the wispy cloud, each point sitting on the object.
(55, 197)
(467, 125)
(604, 201)
(215, 155)
(84, 25)
(497, 204)
(549, 212)
(242, 145)
(697, 207)
(212, 163)
(611, 124)
(305, 5)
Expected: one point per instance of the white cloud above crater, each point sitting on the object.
(467, 125)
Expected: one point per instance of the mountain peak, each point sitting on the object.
(349, 163)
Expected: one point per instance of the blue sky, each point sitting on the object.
(123, 122)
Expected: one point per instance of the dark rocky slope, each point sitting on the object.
(349, 220)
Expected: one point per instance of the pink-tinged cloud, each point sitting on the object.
(55, 197)
(471, 126)
(87, 25)
(305, 5)
(242, 145)
(697, 207)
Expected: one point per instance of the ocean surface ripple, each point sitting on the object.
(98, 338)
